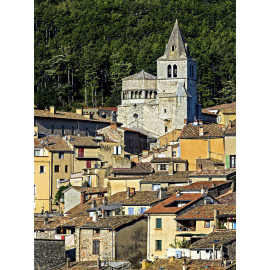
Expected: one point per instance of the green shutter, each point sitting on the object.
(228, 161)
(158, 223)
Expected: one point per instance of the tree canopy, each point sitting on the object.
(84, 48)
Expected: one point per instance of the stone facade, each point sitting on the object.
(48, 253)
(160, 104)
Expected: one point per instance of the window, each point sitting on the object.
(66, 168)
(63, 130)
(88, 179)
(164, 110)
(158, 245)
(169, 71)
(97, 231)
(88, 164)
(80, 152)
(95, 247)
(232, 161)
(41, 169)
(166, 129)
(142, 210)
(173, 48)
(61, 155)
(52, 129)
(207, 224)
(155, 187)
(130, 211)
(162, 167)
(37, 153)
(158, 223)
(56, 168)
(174, 71)
(117, 150)
(174, 155)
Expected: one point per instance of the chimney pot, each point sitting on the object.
(203, 190)
(201, 132)
(216, 214)
(114, 125)
(83, 197)
(128, 193)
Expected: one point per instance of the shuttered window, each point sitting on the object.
(158, 245)
(158, 223)
(88, 164)
(81, 152)
(95, 246)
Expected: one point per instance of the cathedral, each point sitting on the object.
(162, 103)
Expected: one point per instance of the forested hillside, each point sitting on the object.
(84, 46)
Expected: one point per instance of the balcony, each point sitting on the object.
(186, 229)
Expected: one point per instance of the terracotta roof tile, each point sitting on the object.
(206, 211)
(223, 106)
(221, 236)
(142, 198)
(177, 264)
(52, 143)
(211, 130)
(223, 172)
(163, 207)
(90, 190)
(227, 198)
(112, 222)
(139, 168)
(167, 160)
(160, 177)
(83, 141)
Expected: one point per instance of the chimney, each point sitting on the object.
(184, 264)
(200, 122)
(201, 133)
(46, 218)
(128, 193)
(132, 192)
(67, 263)
(178, 193)
(214, 251)
(95, 218)
(230, 124)
(216, 223)
(203, 190)
(52, 109)
(185, 121)
(213, 184)
(170, 168)
(83, 197)
(114, 125)
(103, 213)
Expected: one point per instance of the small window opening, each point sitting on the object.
(172, 48)
(169, 71)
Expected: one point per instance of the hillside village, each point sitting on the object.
(150, 184)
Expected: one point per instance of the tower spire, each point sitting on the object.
(176, 47)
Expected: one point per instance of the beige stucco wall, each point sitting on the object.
(230, 145)
(121, 185)
(225, 119)
(206, 178)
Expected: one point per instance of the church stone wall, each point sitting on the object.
(139, 85)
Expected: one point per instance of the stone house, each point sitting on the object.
(135, 142)
(171, 96)
(203, 220)
(54, 122)
(162, 227)
(171, 165)
(113, 238)
(218, 245)
(164, 180)
(53, 163)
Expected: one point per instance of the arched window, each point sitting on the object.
(169, 71)
(174, 71)
(132, 95)
(155, 94)
(173, 48)
(140, 94)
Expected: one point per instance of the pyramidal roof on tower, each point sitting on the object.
(175, 48)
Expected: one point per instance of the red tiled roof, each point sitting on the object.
(163, 207)
(159, 177)
(211, 130)
(227, 198)
(223, 106)
(204, 111)
(206, 211)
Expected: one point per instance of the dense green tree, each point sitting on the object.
(84, 48)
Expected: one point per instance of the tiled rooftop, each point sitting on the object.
(211, 130)
(139, 168)
(206, 211)
(223, 172)
(167, 160)
(223, 106)
(163, 207)
(227, 198)
(52, 143)
(231, 131)
(177, 264)
(90, 190)
(83, 141)
(160, 177)
(141, 75)
(197, 185)
(68, 115)
(112, 222)
(142, 198)
(222, 237)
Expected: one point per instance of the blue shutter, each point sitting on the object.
(131, 211)
(143, 209)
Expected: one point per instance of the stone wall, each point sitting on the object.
(230, 250)
(45, 234)
(48, 253)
